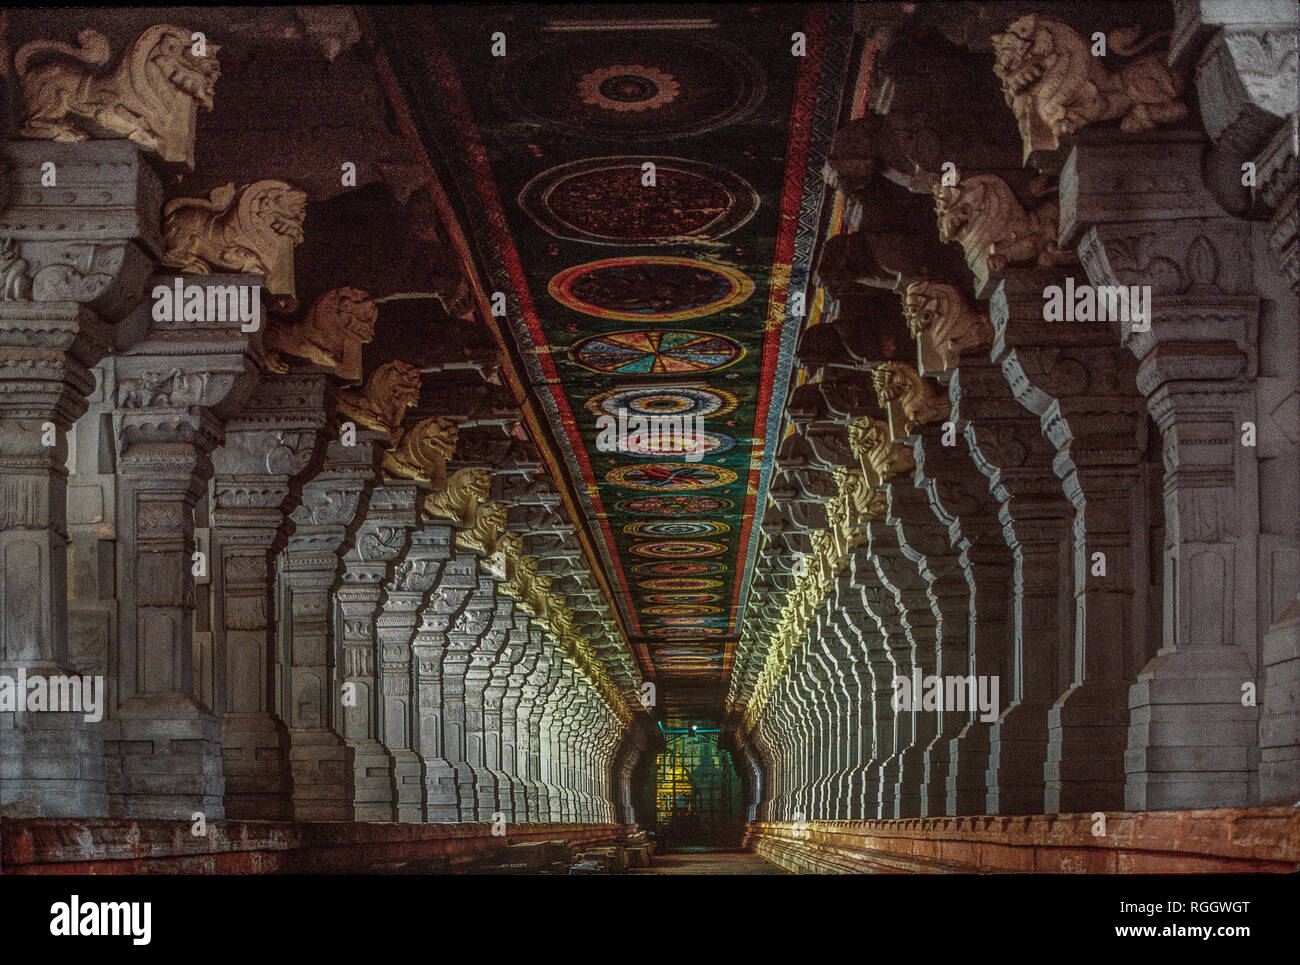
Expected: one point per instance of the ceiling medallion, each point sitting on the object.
(676, 528)
(678, 549)
(682, 610)
(654, 288)
(694, 567)
(680, 444)
(686, 401)
(628, 87)
(677, 599)
(670, 476)
(679, 583)
(673, 505)
(604, 201)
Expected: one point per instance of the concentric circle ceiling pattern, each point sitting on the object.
(648, 190)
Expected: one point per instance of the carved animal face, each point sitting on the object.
(512, 546)
(891, 381)
(1022, 53)
(395, 386)
(433, 439)
(356, 309)
(174, 59)
(478, 483)
(923, 307)
(283, 210)
(957, 207)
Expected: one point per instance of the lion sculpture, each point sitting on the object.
(330, 334)
(995, 232)
(151, 97)
(253, 229)
(1055, 85)
(943, 324)
(423, 451)
(391, 389)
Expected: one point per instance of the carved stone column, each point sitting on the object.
(1004, 443)
(271, 446)
(375, 696)
(480, 728)
(320, 760)
(1073, 376)
(1193, 739)
(77, 261)
(177, 386)
(411, 634)
(440, 700)
(508, 676)
(1242, 58)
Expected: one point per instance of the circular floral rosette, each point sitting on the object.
(680, 599)
(674, 442)
(655, 352)
(678, 549)
(706, 652)
(693, 622)
(670, 476)
(679, 583)
(682, 568)
(676, 528)
(689, 401)
(686, 631)
(605, 200)
(681, 610)
(678, 505)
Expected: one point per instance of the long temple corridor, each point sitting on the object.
(660, 439)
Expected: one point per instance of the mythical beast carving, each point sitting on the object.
(459, 501)
(1054, 85)
(995, 232)
(423, 452)
(391, 389)
(330, 334)
(908, 398)
(944, 325)
(152, 97)
(253, 229)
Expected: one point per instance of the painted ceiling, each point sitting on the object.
(630, 295)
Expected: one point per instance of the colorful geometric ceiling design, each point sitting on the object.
(647, 197)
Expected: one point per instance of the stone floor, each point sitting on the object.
(709, 863)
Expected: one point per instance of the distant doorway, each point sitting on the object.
(697, 792)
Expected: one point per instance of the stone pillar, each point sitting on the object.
(1004, 443)
(483, 725)
(271, 446)
(412, 635)
(523, 661)
(333, 503)
(374, 698)
(1075, 378)
(1193, 740)
(177, 386)
(80, 260)
(1241, 59)
(444, 760)
(850, 652)
(515, 712)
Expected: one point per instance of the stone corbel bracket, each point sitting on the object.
(92, 238)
